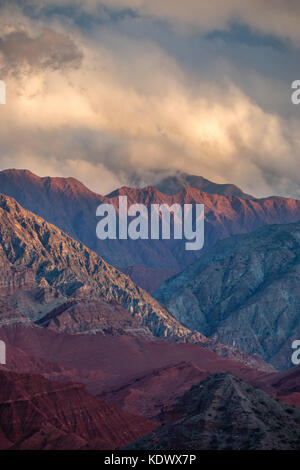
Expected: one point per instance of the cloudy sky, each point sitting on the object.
(115, 91)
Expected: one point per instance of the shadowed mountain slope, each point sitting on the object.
(245, 291)
(223, 412)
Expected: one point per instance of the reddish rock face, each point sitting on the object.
(153, 393)
(284, 385)
(292, 399)
(135, 374)
(287, 382)
(84, 315)
(108, 362)
(36, 413)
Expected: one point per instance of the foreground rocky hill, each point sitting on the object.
(245, 291)
(223, 412)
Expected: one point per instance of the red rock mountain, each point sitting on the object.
(36, 413)
(92, 315)
(106, 362)
(152, 394)
(141, 375)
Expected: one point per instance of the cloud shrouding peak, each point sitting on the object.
(103, 106)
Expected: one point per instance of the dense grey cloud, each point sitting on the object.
(48, 50)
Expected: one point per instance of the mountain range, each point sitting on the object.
(68, 204)
(220, 299)
(68, 317)
(54, 281)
